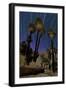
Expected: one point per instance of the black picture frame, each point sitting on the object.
(12, 43)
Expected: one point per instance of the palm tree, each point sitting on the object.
(40, 29)
(31, 29)
(23, 47)
(52, 34)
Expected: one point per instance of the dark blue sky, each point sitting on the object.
(49, 20)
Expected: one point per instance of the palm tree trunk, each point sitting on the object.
(38, 42)
(53, 66)
(35, 52)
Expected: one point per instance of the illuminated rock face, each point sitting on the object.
(39, 61)
(36, 64)
(32, 64)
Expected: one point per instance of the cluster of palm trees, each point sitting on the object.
(39, 28)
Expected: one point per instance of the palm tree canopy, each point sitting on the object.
(39, 25)
(51, 33)
(31, 28)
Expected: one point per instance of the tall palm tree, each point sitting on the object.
(40, 29)
(52, 34)
(31, 29)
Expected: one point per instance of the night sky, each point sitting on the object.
(49, 20)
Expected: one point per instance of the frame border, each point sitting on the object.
(12, 44)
